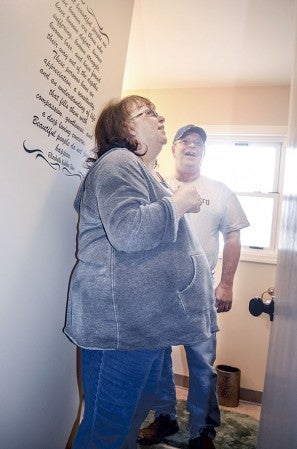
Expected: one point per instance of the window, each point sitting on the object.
(252, 169)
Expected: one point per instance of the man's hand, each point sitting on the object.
(224, 296)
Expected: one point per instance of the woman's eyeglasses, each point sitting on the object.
(149, 112)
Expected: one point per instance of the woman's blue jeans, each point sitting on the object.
(119, 389)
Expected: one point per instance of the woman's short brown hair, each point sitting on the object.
(112, 127)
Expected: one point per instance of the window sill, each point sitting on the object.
(261, 256)
(258, 256)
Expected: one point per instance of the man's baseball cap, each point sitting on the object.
(190, 129)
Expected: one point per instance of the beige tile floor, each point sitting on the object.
(245, 407)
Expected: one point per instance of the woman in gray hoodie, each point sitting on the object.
(140, 283)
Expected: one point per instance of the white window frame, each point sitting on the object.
(257, 135)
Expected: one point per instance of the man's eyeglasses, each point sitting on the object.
(187, 142)
(149, 112)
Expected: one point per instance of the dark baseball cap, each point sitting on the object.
(190, 129)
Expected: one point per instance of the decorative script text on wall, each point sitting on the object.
(70, 79)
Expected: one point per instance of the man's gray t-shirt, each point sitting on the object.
(221, 211)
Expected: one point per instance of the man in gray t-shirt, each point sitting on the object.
(222, 213)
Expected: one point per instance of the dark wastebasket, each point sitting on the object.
(228, 385)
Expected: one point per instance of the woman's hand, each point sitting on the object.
(187, 199)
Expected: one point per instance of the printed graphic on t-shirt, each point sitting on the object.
(205, 201)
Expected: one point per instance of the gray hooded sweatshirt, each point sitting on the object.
(140, 281)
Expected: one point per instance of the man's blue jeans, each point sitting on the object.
(119, 389)
(202, 403)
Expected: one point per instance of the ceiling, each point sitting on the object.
(194, 43)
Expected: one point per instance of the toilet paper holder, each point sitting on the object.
(259, 305)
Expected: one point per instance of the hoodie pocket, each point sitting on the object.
(198, 295)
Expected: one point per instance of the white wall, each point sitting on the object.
(39, 397)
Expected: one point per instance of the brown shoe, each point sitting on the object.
(162, 427)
